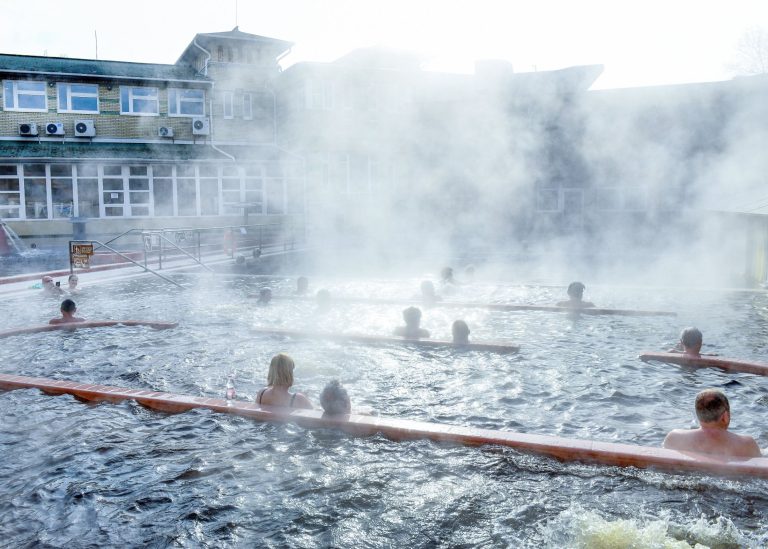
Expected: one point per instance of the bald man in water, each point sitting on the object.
(712, 436)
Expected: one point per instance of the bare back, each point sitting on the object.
(279, 396)
(718, 442)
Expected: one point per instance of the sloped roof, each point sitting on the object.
(96, 68)
(279, 46)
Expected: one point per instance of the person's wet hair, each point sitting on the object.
(334, 399)
(281, 370)
(68, 306)
(427, 288)
(447, 274)
(73, 278)
(412, 316)
(460, 331)
(576, 289)
(691, 337)
(711, 404)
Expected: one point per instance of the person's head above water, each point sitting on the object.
(576, 290)
(460, 332)
(334, 399)
(447, 274)
(691, 340)
(302, 284)
(68, 306)
(73, 280)
(412, 317)
(265, 295)
(711, 404)
(281, 371)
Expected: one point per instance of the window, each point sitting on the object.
(247, 106)
(186, 188)
(10, 193)
(548, 200)
(209, 190)
(139, 101)
(138, 191)
(162, 189)
(36, 193)
(25, 96)
(184, 102)
(318, 95)
(220, 53)
(230, 189)
(226, 98)
(62, 195)
(78, 97)
(88, 190)
(113, 191)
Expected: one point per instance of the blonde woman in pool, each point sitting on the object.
(279, 380)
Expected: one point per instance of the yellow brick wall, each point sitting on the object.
(109, 122)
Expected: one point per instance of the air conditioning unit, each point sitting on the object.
(201, 126)
(84, 128)
(165, 131)
(28, 129)
(54, 128)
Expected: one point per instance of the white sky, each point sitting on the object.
(640, 43)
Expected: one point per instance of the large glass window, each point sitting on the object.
(139, 101)
(162, 189)
(186, 188)
(24, 95)
(247, 106)
(87, 190)
(113, 191)
(548, 200)
(227, 101)
(184, 102)
(62, 196)
(254, 188)
(78, 97)
(35, 191)
(10, 193)
(230, 189)
(138, 191)
(209, 190)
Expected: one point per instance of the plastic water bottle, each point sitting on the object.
(230, 388)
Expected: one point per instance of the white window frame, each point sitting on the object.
(128, 109)
(176, 101)
(247, 106)
(539, 201)
(15, 93)
(227, 104)
(67, 86)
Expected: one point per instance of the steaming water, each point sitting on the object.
(79, 475)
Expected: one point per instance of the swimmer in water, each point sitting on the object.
(412, 329)
(265, 296)
(447, 276)
(335, 400)
(68, 309)
(460, 332)
(280, 379)
(428, 295)
(712, 437)
(72, 282)
(323, 299)
(302, 285)
(49, 288)
(575, 293)
(690, 342)
(469, 273)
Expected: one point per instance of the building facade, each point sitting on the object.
(120, 145)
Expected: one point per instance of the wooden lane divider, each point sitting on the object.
(728, 364)
(604, 453)
(387, 340)
(491, 306)
(69, 326)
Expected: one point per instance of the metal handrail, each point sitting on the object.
(102, 244)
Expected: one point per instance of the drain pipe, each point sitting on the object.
(210, 101)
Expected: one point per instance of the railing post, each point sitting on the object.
(160, 253)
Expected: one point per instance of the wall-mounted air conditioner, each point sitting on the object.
(28, 129)
(201, 126)
(54, 128)
(84, 128)
(164, 131)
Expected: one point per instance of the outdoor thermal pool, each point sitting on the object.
(84, 475)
